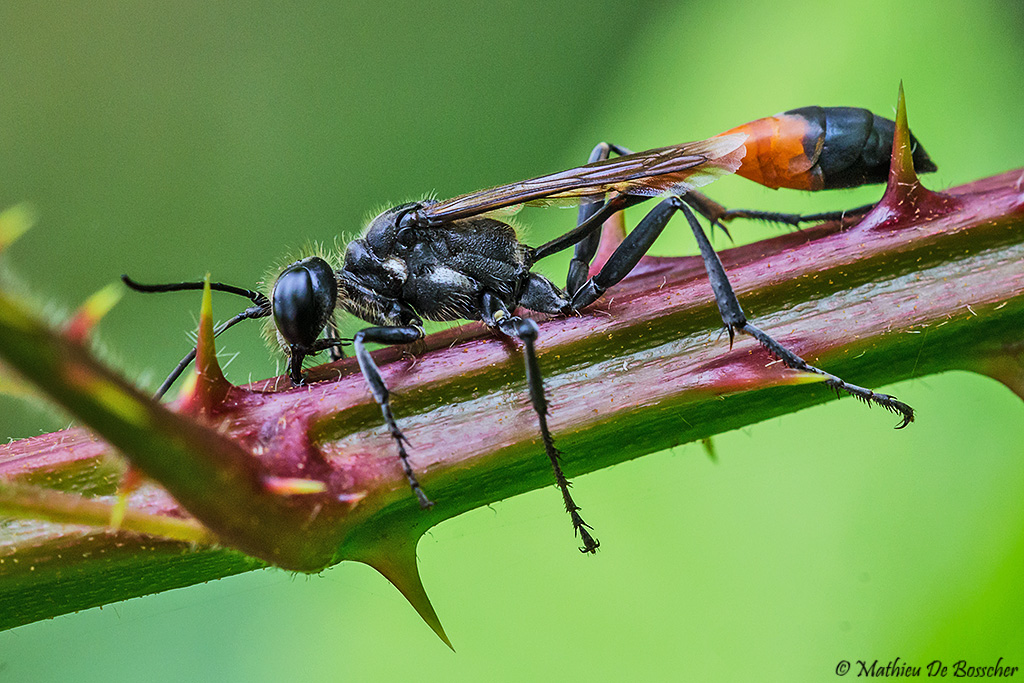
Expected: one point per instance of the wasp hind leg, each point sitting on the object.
(735, 320)
(717, 215)
(635, 245)
(496, 315)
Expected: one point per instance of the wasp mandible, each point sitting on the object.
(454, 259)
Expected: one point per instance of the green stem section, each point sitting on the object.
(32, 502)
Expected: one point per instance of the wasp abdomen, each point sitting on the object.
(822, 148)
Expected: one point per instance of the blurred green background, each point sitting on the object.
(169, 139)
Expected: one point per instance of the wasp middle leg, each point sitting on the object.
(497, 315)
(389, 335)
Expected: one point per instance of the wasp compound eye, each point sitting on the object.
(303, 299)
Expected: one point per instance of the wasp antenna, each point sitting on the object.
(252, 312)
(252, 295)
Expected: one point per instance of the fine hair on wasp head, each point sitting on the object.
(331, 254)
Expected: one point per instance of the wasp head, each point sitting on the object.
(303, 300)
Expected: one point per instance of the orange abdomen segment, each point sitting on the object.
(783, 151)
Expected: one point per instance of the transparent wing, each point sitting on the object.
(678, 169)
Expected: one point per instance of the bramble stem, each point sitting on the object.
(33, 502)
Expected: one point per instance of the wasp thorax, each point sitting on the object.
(384, 275)
(380, 235)
(303, 299)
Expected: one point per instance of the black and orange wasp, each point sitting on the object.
(454, 259)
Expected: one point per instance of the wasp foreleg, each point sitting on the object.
(332, 334)
(298, 353)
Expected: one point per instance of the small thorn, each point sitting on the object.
(709, 449)
(352, 499)
(293, 486)
(1006, 366)
(91, 312)
(117, 511)
(901, 170)
(14, 221)
(209, 387)
(905, 198)
(395, 559)
(131, 480)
